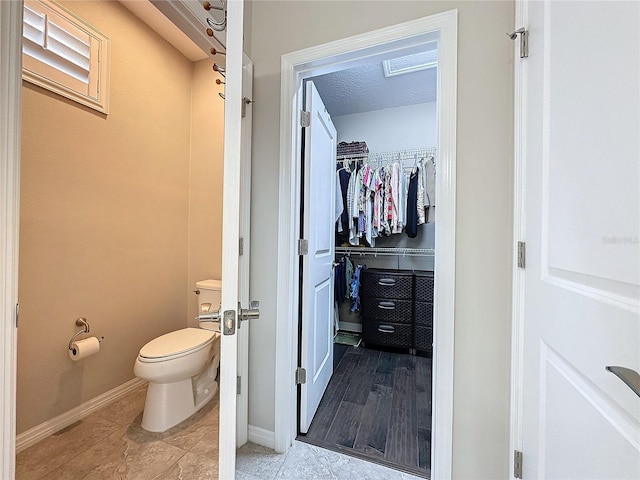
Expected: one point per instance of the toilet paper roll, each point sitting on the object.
(83, 348)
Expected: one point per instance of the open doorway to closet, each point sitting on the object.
(377, 231)
(387, 43)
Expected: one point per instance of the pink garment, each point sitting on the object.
(395, 198)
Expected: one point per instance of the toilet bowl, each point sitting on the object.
(181, 368)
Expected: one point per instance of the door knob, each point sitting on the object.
(214, 316)
(251, 313)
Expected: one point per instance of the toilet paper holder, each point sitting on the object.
(82, 322)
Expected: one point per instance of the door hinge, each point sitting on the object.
(245, 101)
(305, 118)
(241, 247)
(517, 464)
(303, 246)
(524, 41)
(17, 314)
(522, 254)
(238, 385)
(301, 376)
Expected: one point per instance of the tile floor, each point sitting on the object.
(111, 444)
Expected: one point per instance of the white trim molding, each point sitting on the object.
(519, 234)
(261, 436)
(48, 428)
(10, 110)
(335, 56)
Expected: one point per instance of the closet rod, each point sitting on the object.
(387, 251)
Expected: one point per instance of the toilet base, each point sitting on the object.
(168, 404)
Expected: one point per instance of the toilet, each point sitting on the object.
(181, 367)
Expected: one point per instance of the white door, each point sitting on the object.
(231, 228)
(582, 272)
(317, 269)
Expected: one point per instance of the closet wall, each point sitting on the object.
(391, 129)
(411, 126)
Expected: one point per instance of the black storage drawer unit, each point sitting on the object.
(381, 283)
(388, 310)
(397, 308)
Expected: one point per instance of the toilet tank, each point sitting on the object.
(208, 293)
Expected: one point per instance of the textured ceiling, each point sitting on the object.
(365, 88)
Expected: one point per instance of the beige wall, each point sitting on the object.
(105, 216)
(205, 197)
(484, 186)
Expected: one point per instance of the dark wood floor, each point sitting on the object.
(377, 407)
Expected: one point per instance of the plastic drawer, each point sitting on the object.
(388, 284)
(424, 314)
(424, 286)
(387, 309)
(424, 339)
(387, 333)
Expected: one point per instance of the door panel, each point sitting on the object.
(582, 277)
(317, 270)
(591, 123)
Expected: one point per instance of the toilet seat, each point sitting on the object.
(176, 344)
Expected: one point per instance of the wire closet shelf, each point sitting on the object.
(385, 158)
(386, 251)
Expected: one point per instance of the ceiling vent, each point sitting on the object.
(410, 63)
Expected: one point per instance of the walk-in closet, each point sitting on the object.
(377, 404)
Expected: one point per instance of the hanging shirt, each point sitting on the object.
(355, 288)
(352, 205)
(339, 203)
(412, 206)
(402, 208)
(395, 198)
(388, 203)
(422, 195)
(339, 279)
(377, 202)
(349, 269)
(360, 204)
(430, 187)
(345, 175)
(369, 186)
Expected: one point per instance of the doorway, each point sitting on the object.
(376, 404)
(10, 18)
(334, 57)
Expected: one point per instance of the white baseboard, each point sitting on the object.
(351, 327)
(263, 437)
(48, 428)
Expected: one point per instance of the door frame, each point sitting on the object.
(242, 411)
(519, 234)
(330, 57)
(10, 114)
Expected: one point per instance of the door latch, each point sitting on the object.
(229, 322)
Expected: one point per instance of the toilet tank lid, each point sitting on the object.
(178, 341)
(209, 284)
